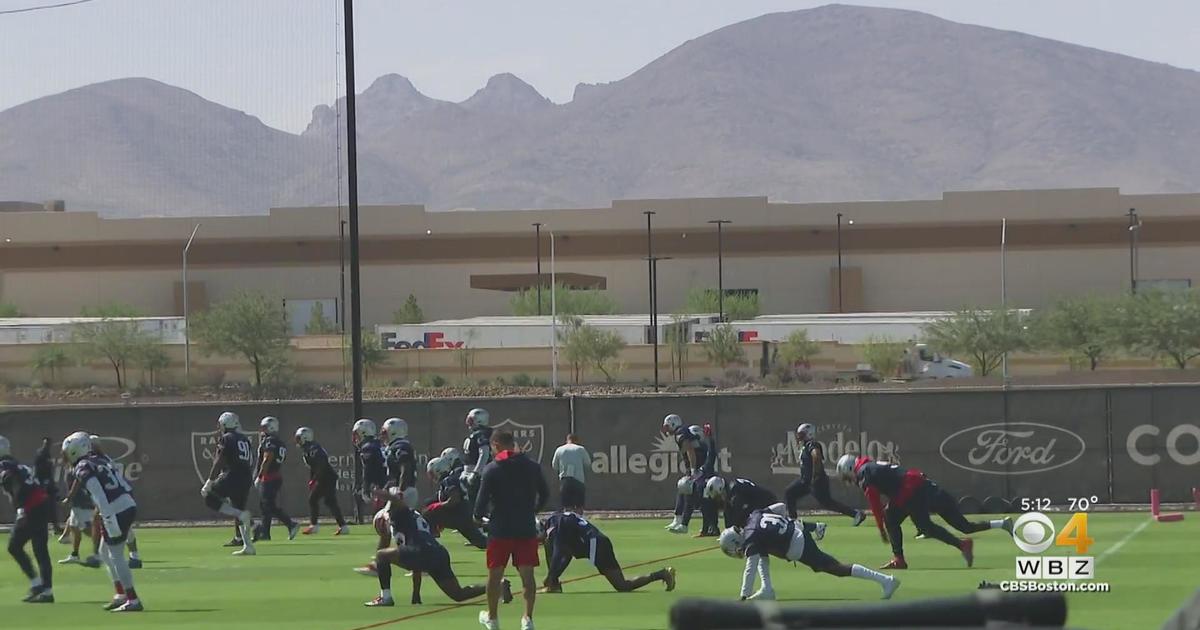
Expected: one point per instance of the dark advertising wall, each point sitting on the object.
(1111, 443)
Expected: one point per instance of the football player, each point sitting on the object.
(451, 510)
(228, 485)
(79, 521)
(477, 449)
(739, 498)
(695, 446)
(813, 479)
(400, 460)
(566, 535)
(911, 494)
(113, 497)
(365, 438)
(32, 505)
(418, 551)
(322, 482)
(768, 534)
(135, 561)
(272, 452)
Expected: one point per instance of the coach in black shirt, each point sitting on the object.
(514, 490)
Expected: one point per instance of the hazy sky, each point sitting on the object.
(276, 59)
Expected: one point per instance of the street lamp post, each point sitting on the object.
(720, 267)
(650, 285)
(839, 259)
(187, 346)
(553, 323)
(654, 309)
(356, 371)
(1135, 227)
(538, 238)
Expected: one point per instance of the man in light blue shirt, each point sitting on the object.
(572, 461)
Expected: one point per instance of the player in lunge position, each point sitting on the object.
(228, 485)
(699, 456)
(768, 534)
(566, 535)
(451, 510)
(113, 497)
(272, 452)
(32, 505)
(739, 498)
(813, 479)
(322, 482)
(911, 494)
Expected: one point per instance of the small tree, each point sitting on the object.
(738, 306)
(152, 360)
(374, 356)
(883, 354)
(590, 346)
(409, 313)
(1083, 327)
(798, 349)
(1162, 324)
(252, 325)
(466, 354)
(567, 301)
(10, 310)
(114, 338)
(318, 324)
(985, 334)
(723, 347)
(677, 343)
(48, 360)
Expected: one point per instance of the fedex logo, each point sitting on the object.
(430, 340)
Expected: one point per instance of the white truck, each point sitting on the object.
(920, 363)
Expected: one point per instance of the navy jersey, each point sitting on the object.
(20, 484)
(573, 532)
(882, 476)
(453, 484)
(317, 461)
(410, 528)
(401, 464)
(272, 445)
(117, 491)
(81, 500)
(477, 444)
(806, 461)
(768, 534)
(705, 457)
(374, 466)
(745, 498)
(238, 454)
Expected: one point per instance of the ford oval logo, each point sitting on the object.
(1012, 448)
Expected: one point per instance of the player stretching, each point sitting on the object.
(32, 505)
(79, 521)
(271, 454)
(135, 561)
(418, 551)
(910, 493)
(740, 498)
(566, 535)
(699, 460)
(113, 497)
(374, 465)
(322, 482)
(813, 478)
(450, 510)
(229, 481)
(400, 460)
(768, 534)
(477, 450)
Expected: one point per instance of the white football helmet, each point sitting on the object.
(5, 447)
(229, 421)
(269, 425)
(363, 429)
(304, 435)
(715, 489)
(733, 543)
(439, 467)
(77, 446)
(478, 418)
(394, 429)
(845, 467)
(453, 455)
(806, 431)
(671, 423)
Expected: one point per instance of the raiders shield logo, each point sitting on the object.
(531, 439)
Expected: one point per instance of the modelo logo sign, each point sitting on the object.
(431, 340)
(1012, 448)
(839, 440)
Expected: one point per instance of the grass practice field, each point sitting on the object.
(190, 581)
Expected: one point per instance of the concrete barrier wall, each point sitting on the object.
(1112, 443)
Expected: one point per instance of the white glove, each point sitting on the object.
(206, 489)
(20, 513)
(111, 526)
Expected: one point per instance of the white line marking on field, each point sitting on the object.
(1121, 543)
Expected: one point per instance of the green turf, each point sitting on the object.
(190, 581)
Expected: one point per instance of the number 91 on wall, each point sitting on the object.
(1034, 533)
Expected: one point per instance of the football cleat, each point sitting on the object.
(310, 530)
(548, 587)
(342, 531)
(897, 562)
(39, 596)
(487, 622)
(367, 570)
(763, 595)
(890, 586)
(234, 542)
(526, 623)
(968, 551)
(116, 603)
(92, 562)
(669, 579)
(1008, 525)
(133, 605)
(71, 559)
(678, 528)
(292, 531)
(859, 517)
(245, 551)
(380, 601)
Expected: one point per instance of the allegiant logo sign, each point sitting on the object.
(431, 340)
(1012, 448)
(663, 461)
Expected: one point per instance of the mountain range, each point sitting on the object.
(833, 103)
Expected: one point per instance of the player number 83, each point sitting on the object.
(1033, 532)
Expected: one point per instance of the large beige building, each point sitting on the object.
(897, 256)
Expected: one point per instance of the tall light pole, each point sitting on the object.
(1135, 227)
(187, 345)
(1004, 287)
(352, 197)
(538, 237)
(553, 323)
(720, 267)
(839, 260)
(654, 309)
(651, 289)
